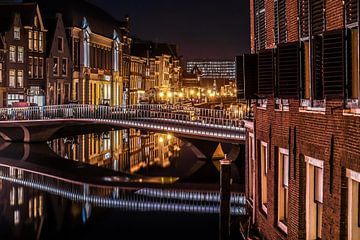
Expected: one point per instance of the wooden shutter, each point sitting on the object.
(282, 21)
(304, 18)
(246, 76)
(334, 67)
(351, 11)
(266, 73)
(260, 31)
(288, 70)
(317, 16)
(317, 68)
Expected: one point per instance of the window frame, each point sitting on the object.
(31, 66)
(352, 176)
(12, 54)
(17, 33)
(22, 79)
(20, 54)
(283, 154)
(30, 40)
(14, 78)
(66, 67)
(62, 44)
(264, 175)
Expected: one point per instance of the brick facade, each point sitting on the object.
(311, 133)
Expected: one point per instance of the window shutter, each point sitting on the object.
(351, 11)
(240, 80)
(265, 73)
(260, 24)
(304, 18)
(334, 69)
(288, 70)
(317, 16)
(282, 21)
(318, 67)
(250, 75)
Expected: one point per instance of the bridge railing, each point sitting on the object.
(204, 117)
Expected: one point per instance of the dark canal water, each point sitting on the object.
(126, 184)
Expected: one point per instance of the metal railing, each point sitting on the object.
(161, 117)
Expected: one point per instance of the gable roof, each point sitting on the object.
(8, 11)
(141, 48)
(74, 11)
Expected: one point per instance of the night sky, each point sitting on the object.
(201, 28)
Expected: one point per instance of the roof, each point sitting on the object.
(7, 12)
(74, 11)
(148, 48)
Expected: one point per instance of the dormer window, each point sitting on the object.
(16, 33)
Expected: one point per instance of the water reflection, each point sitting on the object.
(128, 150)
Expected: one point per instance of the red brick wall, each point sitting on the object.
(313, 138)
(334, 14)
(291, 20)
(269, 21)
(252, 27)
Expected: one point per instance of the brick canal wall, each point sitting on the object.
(307, 134)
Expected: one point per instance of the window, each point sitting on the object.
(31, 67)
(36, 67)
(64, 67)
(116, 57)
(20, 54)
(20, 78)
(283, 185)
(35, 40)
(12, 55)
(41, 68)
(60, 44)
(56, 66)
(314, 197)
(1, 72)
(17, 33)
(354, 63)
(263, 175)
(12, 78)
(353, 204)
(30, 40)
(86, 49)
(41, 41)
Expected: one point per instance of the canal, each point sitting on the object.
(125, 184)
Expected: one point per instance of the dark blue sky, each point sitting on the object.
(201, 28)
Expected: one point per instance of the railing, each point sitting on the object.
(125, 198)
(166, 114)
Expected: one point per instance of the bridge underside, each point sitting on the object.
(41, 131)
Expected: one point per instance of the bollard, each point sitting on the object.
(224, 219)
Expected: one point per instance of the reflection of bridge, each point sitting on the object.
(37, 167)
(34, 124)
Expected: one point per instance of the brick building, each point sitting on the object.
(303, 158)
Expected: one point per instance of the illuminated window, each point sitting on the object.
(12, 78)
(56, 66)
(35, 40)
(20, 195)
(353, 204)
(263, 175)
(31, 67)
(12, 196)
(41, 41)
(16, 33)
(64, 67)
(12, 55)
(314, 197)
(36, 67)
(20, 78)
(16, 217)
(283, 185)
(30, 40)
(20, 54)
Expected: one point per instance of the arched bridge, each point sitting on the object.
(36, 124)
